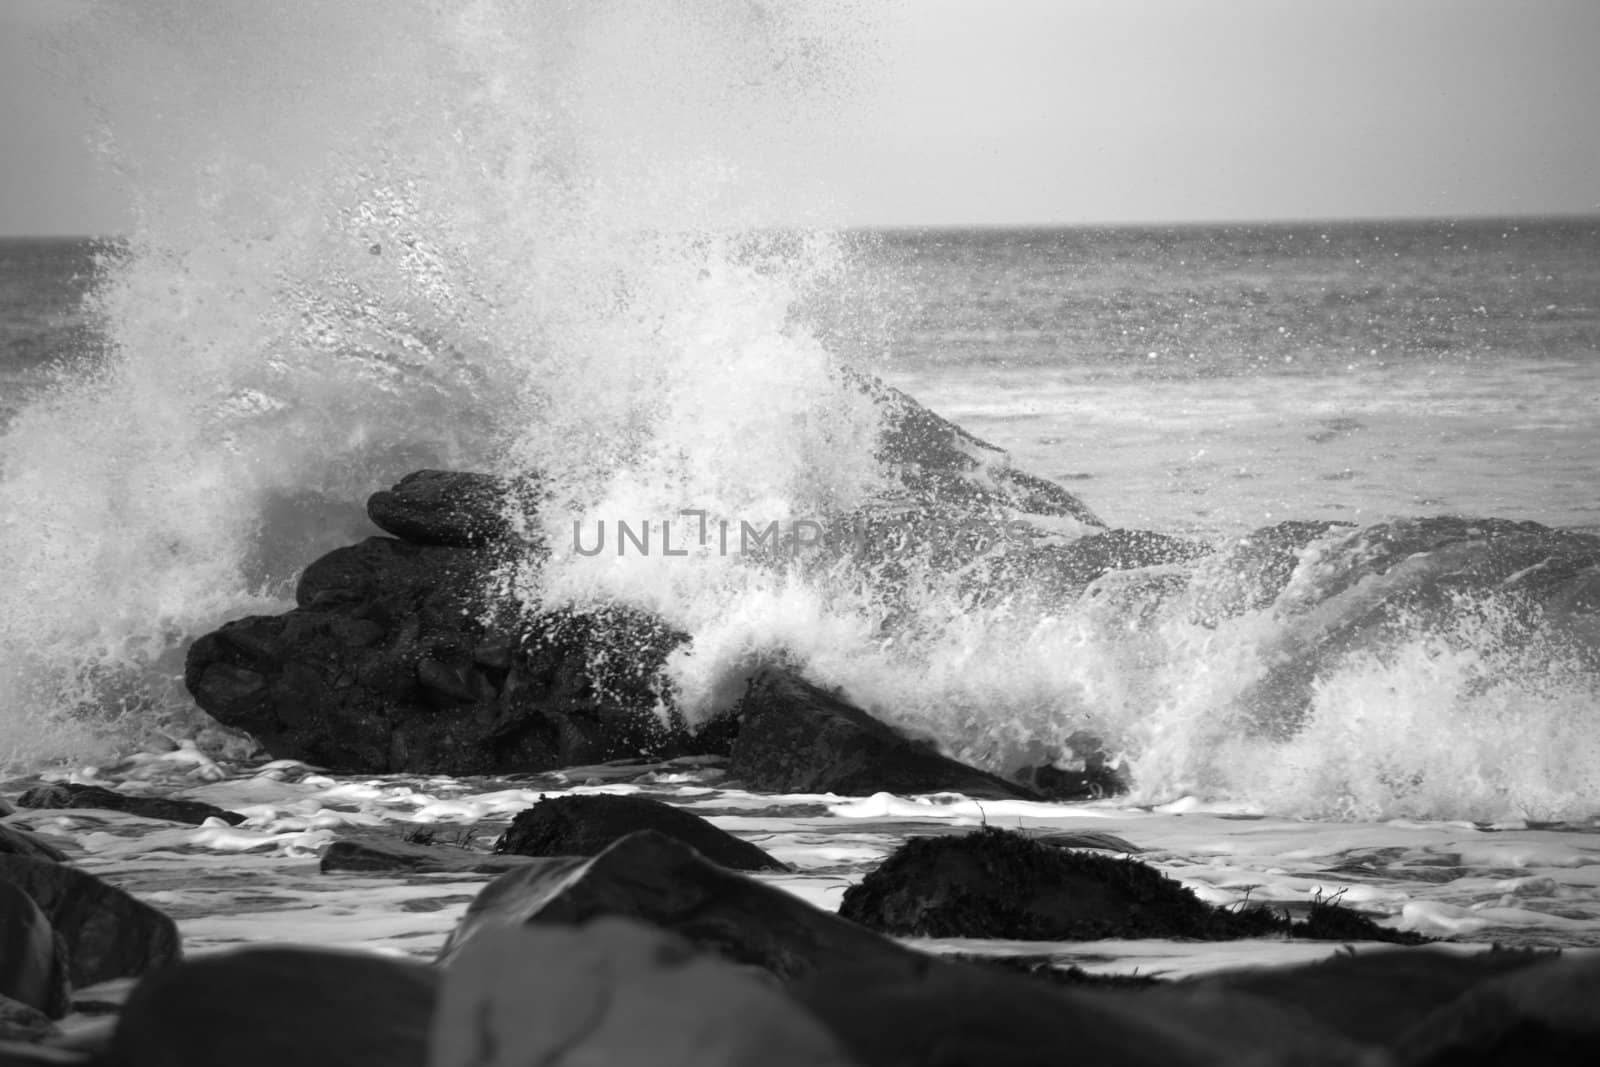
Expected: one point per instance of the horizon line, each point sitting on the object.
(1078, 224)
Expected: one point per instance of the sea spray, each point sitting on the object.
(372, 237)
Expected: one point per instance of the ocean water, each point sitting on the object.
(509, 237)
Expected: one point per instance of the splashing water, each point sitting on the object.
(374, 237)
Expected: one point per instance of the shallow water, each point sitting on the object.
(1474, 885)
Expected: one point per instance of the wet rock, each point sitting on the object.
(616, 992)
(1248, 574)
(454, 508)
(171, 809)
(395, 660)
(1543, 1014)
(588, 825)
(657, 880)
(108, 933)
(15, 841)
(1375, 997)
(397, 856)
(994, 883)
(953, 1013)
(23, 1022)
(33, 961)
(797, 738)
(998, 884)
(265, 1007)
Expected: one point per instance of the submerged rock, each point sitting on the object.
(171, 809)
(657, 880)
(619, 993)
(265, 1007)
(797, 738)
(588, 825)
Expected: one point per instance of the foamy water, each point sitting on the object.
(514, 237)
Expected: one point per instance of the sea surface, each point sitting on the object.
(507, 239)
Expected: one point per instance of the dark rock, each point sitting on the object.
(657, 880)
(1543, 1014)
(33, 961)
(952, 1013)
(1375, 997)
(22, 1022)
(998, 884)
(797, 738)
(172, 809)
(588, 825)
(108, 933)
(394, 855)
(15, 841)
(994, 883)
(275, 1006)
(395, 660)
(451, 507)
(618, 993)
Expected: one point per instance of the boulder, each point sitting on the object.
(995, 883)
(619, 993)
(171, 809)
(941, 1012)
(392, 662)
(33, 961)
(652, 878)
(795, 737)
(1542, 1014)
(588, 825)
(15, 841)
(108, 933)
(454, 508)
(1375, 997)
(265, 1007)
(22, 1023)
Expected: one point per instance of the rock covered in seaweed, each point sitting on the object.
(999, 884)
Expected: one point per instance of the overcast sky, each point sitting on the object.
(1065, 111)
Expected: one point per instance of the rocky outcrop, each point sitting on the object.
(998, 884)
(588, 825)
(654, 879)
(797, 738)
(395, 660)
